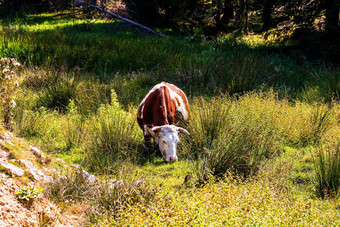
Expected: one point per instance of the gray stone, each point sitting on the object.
(26, 163)
(76, 166)
(33, 170)
(8, 134)
(37, 152)
(88, 177)
(15, 170)
(114, 184)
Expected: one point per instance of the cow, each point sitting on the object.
(163, 106)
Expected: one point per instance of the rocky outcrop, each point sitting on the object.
(12, 169)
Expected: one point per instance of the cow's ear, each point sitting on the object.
(179, 129)
(156, 130)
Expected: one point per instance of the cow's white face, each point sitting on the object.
(166, 136)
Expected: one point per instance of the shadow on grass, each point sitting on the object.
(117, 54)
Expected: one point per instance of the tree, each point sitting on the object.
(332, 17)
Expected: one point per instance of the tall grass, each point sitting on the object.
(327, 166)
(225, 136)
(112, 136)
(105, 196)
(319, 124)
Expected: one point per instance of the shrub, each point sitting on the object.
(57, 93)
(208, 120)
(327, 166)
(228, 136)
(69, 186)
(27, 194)
(330, 85)
(129, 188)
(318, 124)
(112, 135)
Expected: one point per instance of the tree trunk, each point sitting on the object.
(332, 17)
(267, 14)
(228, 13)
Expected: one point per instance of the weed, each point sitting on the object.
(68, 187)
(27, 194)
(8, 86)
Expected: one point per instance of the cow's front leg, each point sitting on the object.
(147, 140)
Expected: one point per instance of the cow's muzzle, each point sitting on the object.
(173, 159)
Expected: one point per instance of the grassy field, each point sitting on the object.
(264, 147)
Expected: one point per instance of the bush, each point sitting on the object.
(318, 124)
(57, 93)
(112, 135)
(327, 166)
(227, 136)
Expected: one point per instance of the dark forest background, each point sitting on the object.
(313, 25)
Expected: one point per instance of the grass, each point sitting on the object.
(327, 170)
(262, 125)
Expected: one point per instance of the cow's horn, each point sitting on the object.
(156, 129)
(150, 131)
(183, 130)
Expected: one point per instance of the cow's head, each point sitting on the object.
(166, 136)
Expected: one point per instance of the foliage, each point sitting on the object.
(69, 187)
(107, 196)
(257, 140)
(327, 166)
(28, 194)
(228, 135)
(112, 136)
(229, 203)
(57, 92)
(8, 86)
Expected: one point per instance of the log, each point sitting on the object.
(123, 19)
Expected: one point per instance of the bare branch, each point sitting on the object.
(124, 19)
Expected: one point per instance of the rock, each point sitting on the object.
(15, 170)
(114, 183)
(37, 153)
(8, 134)
(88, 177)
(76, 166)
(27, 164)
(60, 160)
(33, 171)
(9, 143)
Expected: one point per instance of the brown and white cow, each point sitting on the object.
(164, 105)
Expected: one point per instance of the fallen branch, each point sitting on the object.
(124, 19)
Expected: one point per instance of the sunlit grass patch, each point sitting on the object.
(327, 163)
(230, 203)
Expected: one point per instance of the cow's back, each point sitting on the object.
(164, 104)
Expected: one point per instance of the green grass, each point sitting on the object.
(259, 121)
